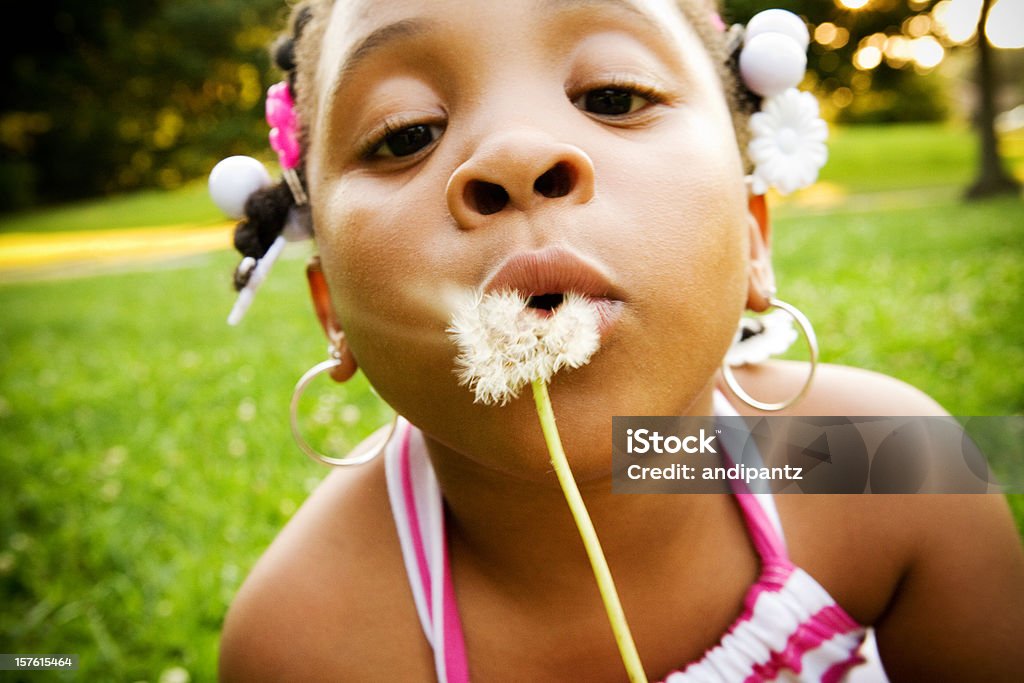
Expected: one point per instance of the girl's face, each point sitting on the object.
(451, 138)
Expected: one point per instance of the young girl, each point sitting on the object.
(595, 146)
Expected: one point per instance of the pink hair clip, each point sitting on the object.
(284, 136)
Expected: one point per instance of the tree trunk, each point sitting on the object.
(992, 176)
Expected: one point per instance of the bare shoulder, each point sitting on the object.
(329, 599)
(836, 390)
(958, 613)
(874, 553)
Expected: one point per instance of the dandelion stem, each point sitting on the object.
(623, 638)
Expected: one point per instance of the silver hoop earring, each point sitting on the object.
(300, 388)
(812, 343)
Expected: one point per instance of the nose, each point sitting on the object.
(518, 172)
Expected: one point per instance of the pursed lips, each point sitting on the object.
(545, 276)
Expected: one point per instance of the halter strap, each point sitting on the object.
(759, 509)
(419, 516)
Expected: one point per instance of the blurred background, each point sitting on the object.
(145, 449)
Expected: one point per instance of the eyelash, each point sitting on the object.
(390, 127)
(648, 92)
(368, 151)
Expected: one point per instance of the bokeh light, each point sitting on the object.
(867, 58)
(917, 25)
(825, 33)
(830, 35)
(898, 51)
(1005, 25)
(927, 52)
(957, 20)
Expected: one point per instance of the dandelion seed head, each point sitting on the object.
(503, 345)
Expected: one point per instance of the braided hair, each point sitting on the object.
(267, 210)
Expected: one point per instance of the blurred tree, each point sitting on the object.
(992, 176)
(109, 95)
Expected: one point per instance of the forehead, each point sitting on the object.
(356, 28)
(363, 15)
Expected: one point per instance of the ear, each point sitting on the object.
(321, 296)
(761, 286)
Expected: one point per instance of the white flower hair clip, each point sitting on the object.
(787, 145)
(758, 339)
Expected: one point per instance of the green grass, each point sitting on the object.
(190, 204)
(910, 156)
(147, 459)
(929, 294)
(145, 445)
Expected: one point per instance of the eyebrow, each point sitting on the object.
(410, 28)
(560, 4)
(375, 41)
(624, 5)
(389, 33)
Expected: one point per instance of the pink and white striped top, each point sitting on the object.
(790, 628)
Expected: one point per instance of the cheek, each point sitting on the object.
(373, 252)
(390, 271)
(691, 226)
(687, 255)
(357, 256)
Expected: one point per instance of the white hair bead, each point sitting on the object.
(779, 21)
(771, 63)
(233, 180)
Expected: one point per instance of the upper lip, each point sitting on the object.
(553, 270)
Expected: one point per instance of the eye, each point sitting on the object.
(615, 101)
(405, 141)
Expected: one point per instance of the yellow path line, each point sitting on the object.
(31, 250)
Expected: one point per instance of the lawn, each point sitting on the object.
(145, 445)
(189, 204)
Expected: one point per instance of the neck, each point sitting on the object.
(508, 529)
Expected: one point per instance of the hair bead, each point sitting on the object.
(233, 180)
(771, 63)
(779, 21)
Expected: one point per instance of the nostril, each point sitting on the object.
(557, 181)
(485, 198)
